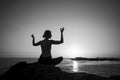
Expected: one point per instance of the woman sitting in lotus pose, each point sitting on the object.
(46, 44)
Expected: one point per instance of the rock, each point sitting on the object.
(117, 77)
(37, 71)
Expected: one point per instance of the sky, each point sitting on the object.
(92, 27)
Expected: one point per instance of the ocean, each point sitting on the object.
(101, 68)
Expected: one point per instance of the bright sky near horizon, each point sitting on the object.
(92, 27)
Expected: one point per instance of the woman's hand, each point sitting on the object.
(61, 29)
(32, 36)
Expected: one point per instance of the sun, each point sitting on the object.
(74, 51)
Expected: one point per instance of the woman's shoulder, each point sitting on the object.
(46, 40)
(41, 41)
(51, 40)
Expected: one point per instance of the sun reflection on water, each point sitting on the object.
(75, 66)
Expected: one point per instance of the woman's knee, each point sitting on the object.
(61, 58)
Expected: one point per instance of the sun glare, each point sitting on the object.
(75, 66)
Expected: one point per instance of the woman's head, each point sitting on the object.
(47, 34)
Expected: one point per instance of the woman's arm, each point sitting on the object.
(33, 41)
(61, 39)
(61, 30)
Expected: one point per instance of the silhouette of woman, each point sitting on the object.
(46, 44)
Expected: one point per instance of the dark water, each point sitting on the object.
(102, 68)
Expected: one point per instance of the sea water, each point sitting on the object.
(101, 68)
